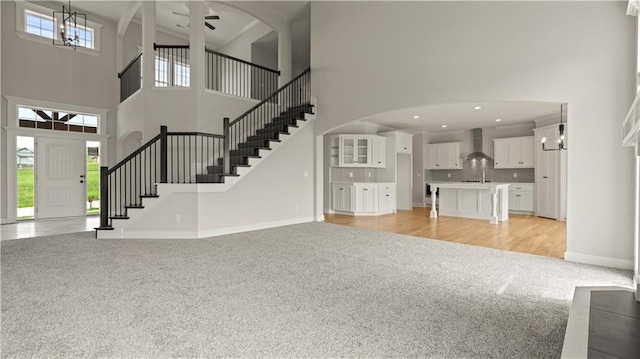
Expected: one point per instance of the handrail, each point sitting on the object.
(213, 135)
(169, 157)
(156, 46)
(130, 64)
(271, 97)
(242, 61)
(135, 153)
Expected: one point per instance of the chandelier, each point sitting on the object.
(561, 131)
(70, 22)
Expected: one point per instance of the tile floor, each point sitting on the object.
(46, 227)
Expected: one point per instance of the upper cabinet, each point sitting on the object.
(513, 152)
(444, 156)
(358, 151)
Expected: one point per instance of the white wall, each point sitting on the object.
(265, 57)
(452, 52)
(132, 41)
(44, 72)
(275, 192)
(240, 47)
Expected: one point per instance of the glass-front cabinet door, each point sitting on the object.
(348, 148)
(355, 150)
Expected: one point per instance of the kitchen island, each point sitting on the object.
(471, 200)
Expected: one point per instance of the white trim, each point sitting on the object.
(202, 234)
(320, 218)
(14, 130)
(419, 204)
(598, 260)
(5, 221)
(21, 6)
(576, 336)
(253, 227)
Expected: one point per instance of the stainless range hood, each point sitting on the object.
(477, 153)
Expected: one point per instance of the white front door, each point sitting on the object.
(60, 177)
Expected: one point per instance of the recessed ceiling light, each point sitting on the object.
(498, 119)
(416, 116)
(477, 107)
(444, 126)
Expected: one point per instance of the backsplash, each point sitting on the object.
(471, 173)
(359, 174)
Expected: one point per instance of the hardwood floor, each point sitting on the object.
(521, 233)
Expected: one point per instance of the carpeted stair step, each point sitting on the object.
(241, 160)
(209, 178)
(257, 143)
(149, 196)
(282, 130)
(252, 151)
(122, 216)
(264, 137)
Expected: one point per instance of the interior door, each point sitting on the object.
(60, 177)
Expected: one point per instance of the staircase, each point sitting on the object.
(263, 139)
(202, 158)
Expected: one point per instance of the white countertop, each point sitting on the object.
(362, 182)
(470, 185)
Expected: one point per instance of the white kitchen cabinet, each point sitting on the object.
(404, 143)
(444, 156)
(513, 152)
(386, 197)
(379, 153)
(341, 197)
(358, 151)
(366, 197)
(521, 197)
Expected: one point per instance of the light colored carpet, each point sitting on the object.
(311, 290)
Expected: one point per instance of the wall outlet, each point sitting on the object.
(296, 208)
(418, 175)
(350, 174)
(177, 218)
(448, 175)
(515, 174)
(369, 174)
(305, 173)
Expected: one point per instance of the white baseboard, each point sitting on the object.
(320, 218)
(420, 204)
(598, 260)
(4, 221)
(204, 233)
(253, 227)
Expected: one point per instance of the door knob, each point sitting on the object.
(81, 176)
(81, 181)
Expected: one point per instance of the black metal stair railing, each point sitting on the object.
(131, 77)
(263, 121)
(172, 67)
(169, 157)
(237, 77)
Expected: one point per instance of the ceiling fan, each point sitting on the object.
(208, 17)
